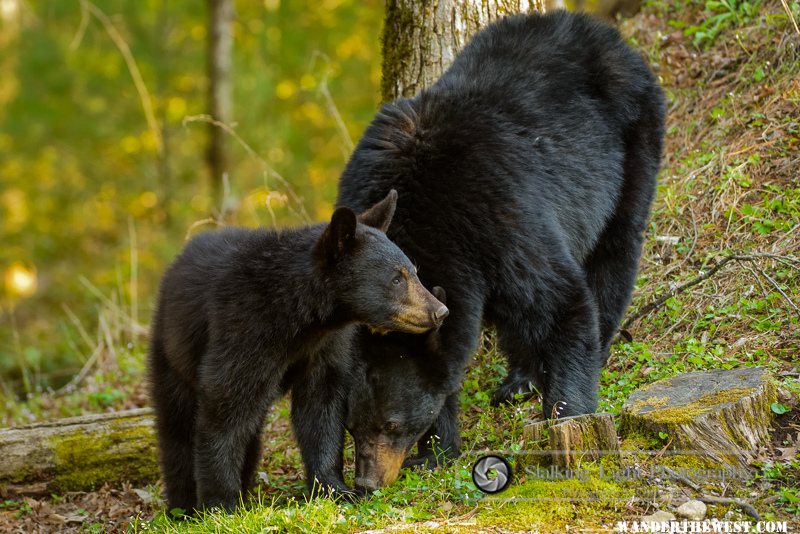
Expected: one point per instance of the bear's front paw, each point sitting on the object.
(429, 461)
(336, 489)
(513, 391)
(425, 462)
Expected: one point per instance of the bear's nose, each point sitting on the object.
(366, 484)
(440, 314)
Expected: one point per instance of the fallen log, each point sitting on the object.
(722, 415)
(78, 453)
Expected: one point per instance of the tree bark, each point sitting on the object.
(78, 453)
(220, 101)
(422, 37)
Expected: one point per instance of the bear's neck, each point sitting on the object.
(288, 276)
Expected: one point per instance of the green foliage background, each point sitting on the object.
(85, 193)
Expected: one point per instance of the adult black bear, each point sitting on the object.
(526, 174)
(244, 315)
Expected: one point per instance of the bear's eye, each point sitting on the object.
(390, 426)
(397, 280)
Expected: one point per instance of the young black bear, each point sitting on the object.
(243, 316)
(526, 174)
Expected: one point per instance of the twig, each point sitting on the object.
(77, 322)
(103, 325)
(411, 526)
(712, 499)
(746, 507)
(82, 374)
(113, 306)
(658, 303)
(679, 477)
(267, 167)
(330, 104)
(791, 16)
(76, 41)
(201, 222)
(134, 282)
(663, 450)
(133, 69)
(778, 289)
(753, 147)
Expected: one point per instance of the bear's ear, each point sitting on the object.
(380, 215)
(340, 233)
(439, 293)
(434, 340)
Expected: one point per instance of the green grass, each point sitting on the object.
(86, 192)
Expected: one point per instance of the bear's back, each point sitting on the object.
(522, 137)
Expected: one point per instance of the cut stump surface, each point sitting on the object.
(722, 415)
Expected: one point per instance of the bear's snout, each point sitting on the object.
(377, 464)
(439, 315)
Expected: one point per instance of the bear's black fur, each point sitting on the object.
(243, 316)
(400, 377)
(526, 174)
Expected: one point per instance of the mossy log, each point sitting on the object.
(78, 453)
(569, 441)
(722, 415)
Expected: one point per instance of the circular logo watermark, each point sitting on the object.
(491, 474)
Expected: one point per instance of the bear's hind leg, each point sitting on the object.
(175, 405)
(612, 266)
(611, 275)
(572, 358)
(552, 340)
(221, 447)
(524, 368)
(231, 410)
(252, 456)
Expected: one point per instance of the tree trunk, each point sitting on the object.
(421, 38)
(78, 453)
(220, 102)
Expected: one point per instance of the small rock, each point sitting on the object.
(144, 495)
(658, 517)
(692, 510)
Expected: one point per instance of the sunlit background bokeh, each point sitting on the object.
(95, 201)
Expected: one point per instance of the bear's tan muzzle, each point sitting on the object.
(421, 311)
(377, 465)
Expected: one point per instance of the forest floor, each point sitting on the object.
(729, 186)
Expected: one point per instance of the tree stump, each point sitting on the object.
(569, 441)
(78, 453)
(722, 415)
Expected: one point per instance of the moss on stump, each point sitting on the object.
(721, 415)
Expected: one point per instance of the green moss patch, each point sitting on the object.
(85, 461)
(554, 505)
